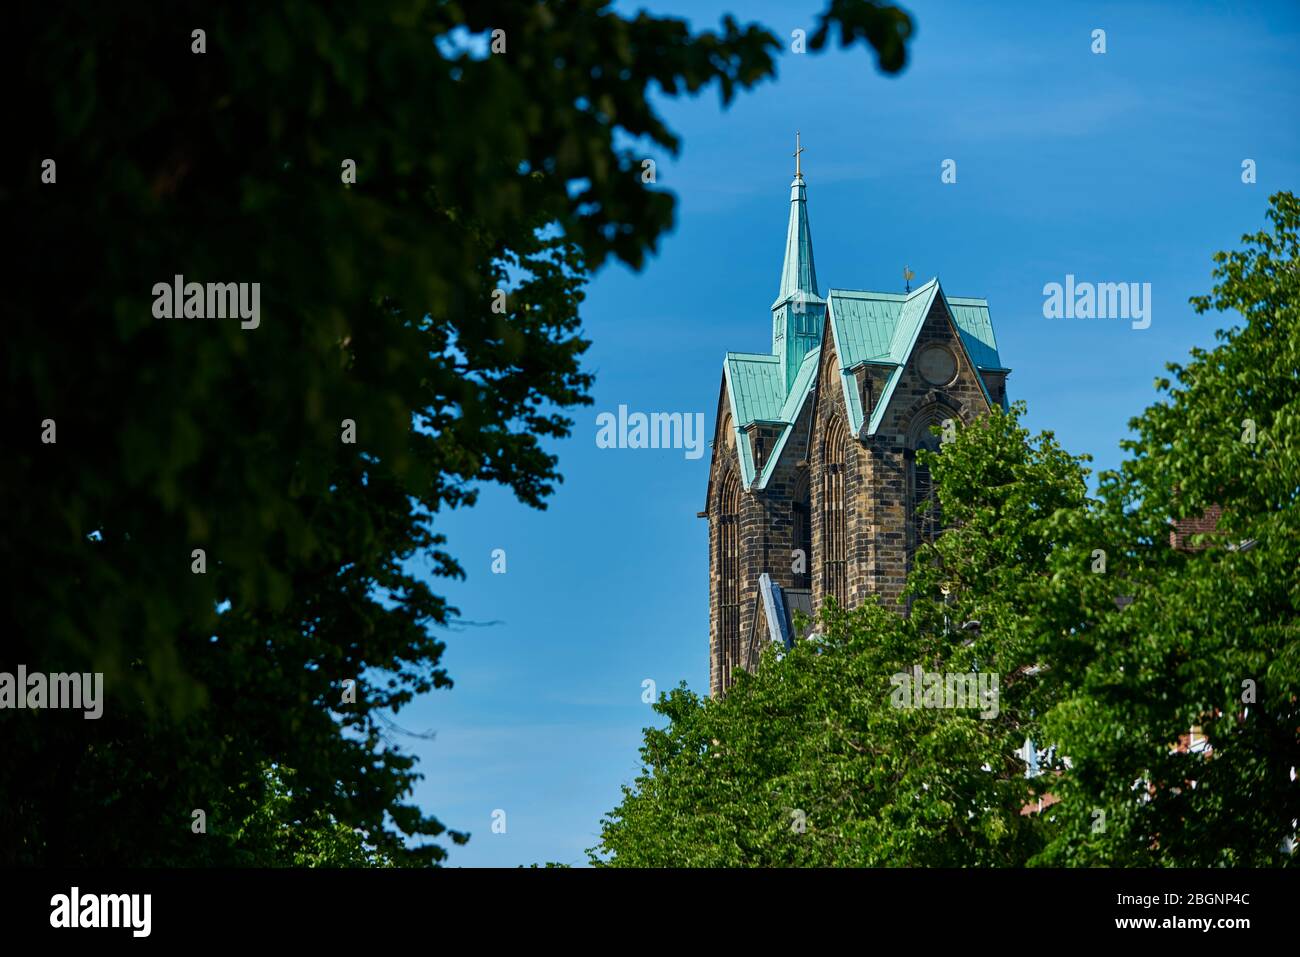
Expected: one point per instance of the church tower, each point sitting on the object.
(815, 492)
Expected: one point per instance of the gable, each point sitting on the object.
(791, 413)
(863, 328)
(881, 329)
(757, 386)
(867, 325)
(723, 425)
(753, 389)
(976, 327)
(937, 368)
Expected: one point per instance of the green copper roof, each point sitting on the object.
(798, 273)
(972, 318)
(864, 324)
(802, 381)
(877, 326)
(873, 327)
(753, 387)
(799, 311)
(757, 389)
(882, 328)
(790, 412)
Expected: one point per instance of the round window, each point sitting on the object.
(937, 365)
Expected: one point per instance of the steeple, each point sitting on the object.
(798, 310)
(798, 273)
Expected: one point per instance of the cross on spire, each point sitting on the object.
(797, 150)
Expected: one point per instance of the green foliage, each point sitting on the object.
(474, 172)
(1109, 657)
(816, 730)
(286, 831)
(1201, 623)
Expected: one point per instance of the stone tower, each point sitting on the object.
(814, 488)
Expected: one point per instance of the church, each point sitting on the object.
(814, 488)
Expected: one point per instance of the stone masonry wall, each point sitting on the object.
(878, 503)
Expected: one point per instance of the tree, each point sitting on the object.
(1159, 683)
(1208, 637)
(280, 834)
(219, 514)
(816, 760)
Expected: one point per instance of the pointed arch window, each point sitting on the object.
(834, 558)
(801, 536)
(924, 518)
(728, 574)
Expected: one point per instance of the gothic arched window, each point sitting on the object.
(729, 574)
(924, 519)
(834, 517)
(801, 535)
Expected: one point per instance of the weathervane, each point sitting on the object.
(908, 276)
(798, 173)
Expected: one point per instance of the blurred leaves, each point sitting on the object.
(375, 306)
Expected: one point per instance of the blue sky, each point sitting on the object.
(1115, 167)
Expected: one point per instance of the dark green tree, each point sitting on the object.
(420, 190)
(283, 831)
